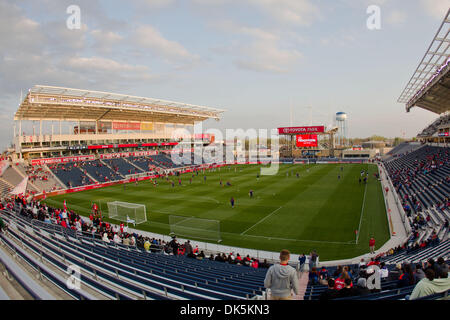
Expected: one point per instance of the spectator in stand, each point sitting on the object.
(174, 245)
(362, 263)
(442, 266)
(429, 285)
(189, 250)
(201, 255)
(301, 262)
(3, 225)
(361, 287)
(147, 245)
(340, 282)
(323, 276)
(420, 274)
(373, 262)
(282, 278)
(407, 277)
(347, 290)
(384, 271)
(330, 293)
(117, 238)
(313, 259)
(431, 264)
(337, 272)
(313, 277)
(264, 265)
(105, 237)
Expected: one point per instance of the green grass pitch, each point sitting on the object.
(315, 211)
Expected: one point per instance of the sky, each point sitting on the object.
(268, 63)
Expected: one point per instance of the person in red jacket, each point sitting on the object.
(372, 245)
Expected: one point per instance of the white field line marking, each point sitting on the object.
(261, 220)
(296, 240)
(362, 212)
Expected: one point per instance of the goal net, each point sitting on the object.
(191, 227)
(127, 212)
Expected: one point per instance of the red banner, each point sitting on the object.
(294, 130)
(128, 154)
(307, 140)
(126, 126)
(108, 146)
(35, 162)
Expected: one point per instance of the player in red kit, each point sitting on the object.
(372, 245)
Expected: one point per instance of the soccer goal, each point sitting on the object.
(134, 213)
(191, 227)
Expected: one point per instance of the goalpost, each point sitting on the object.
(134, 213)
(192, 227)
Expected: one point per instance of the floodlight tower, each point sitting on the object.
(341, 123)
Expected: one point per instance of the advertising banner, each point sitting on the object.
(147, 126)
(300, 130)
(307, 140)
(126, 126)
(35, 162)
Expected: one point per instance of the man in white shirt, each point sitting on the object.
(384, 272)
(117, 239)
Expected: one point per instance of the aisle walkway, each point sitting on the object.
(303, 284)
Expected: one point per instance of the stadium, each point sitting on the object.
(110, 196)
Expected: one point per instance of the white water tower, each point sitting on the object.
(341, 123)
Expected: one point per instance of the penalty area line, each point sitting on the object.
(261, 220)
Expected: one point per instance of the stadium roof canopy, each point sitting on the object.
(56, 103)
(429, 87)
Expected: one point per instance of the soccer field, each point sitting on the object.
(313, 211)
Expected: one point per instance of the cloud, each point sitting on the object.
(267, 57)
(234, 28)
(296, 12)
(105, 41)
(257, 49)
(436, 8)
(45, 53)
(154, 3)
(299, 12)
(396, 17)
(148, 37)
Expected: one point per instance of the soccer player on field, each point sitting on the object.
(372, 245)
(232, 202)
(95, 208)
(251, 193)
